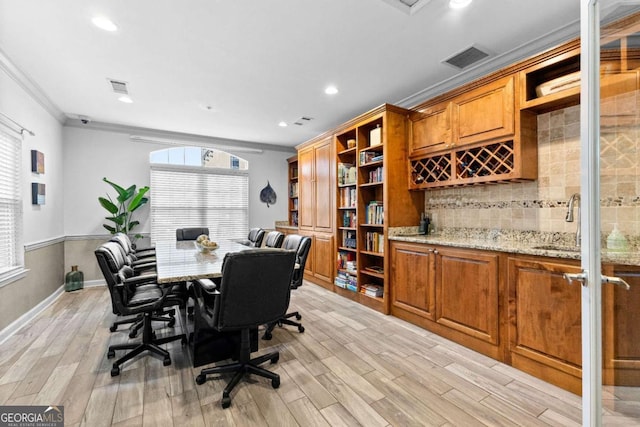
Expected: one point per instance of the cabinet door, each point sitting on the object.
(545, 321)
(431, 129)
(323, 257)
(324, 183)
(467, 292)
(412, 279)
(306, 192)
(484, 113)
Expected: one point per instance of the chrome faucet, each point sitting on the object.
(575, 198)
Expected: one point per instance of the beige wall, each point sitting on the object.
(541, 205)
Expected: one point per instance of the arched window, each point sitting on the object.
(198, 187)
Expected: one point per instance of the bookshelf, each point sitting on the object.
(293, 190)
(370, 200)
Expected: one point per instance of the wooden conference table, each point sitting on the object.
(182, 261)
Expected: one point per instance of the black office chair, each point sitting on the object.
(273, 239)
(190, 233)
(129, 300)
(147, 254)
(254, 290)
(301, 244)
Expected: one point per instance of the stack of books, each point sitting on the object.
(372, 290)
(345, 280)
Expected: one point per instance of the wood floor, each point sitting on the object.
(352, 366)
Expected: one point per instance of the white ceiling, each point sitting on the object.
(255, 63)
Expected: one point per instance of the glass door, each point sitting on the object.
(610, 189)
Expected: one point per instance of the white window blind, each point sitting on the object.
(199, 197)
(11, 256)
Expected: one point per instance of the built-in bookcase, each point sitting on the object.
(293, 190)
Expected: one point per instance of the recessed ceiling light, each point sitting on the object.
(459, 4)
(283, 124)
(331, 90)
(104, 23)
(125, 99)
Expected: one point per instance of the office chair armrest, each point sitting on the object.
(140, 280)
(207, 285)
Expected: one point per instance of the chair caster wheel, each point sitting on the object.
(201, 379)
(226, 402)
(301, 329)
(166, 361)
(275, 359)
(115, 371)
(171, 322)
(267, 336)
(113, 328)
(111, 354)
(133, 334)
(275, 383)
(298, 317)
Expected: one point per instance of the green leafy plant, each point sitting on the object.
(122, 208)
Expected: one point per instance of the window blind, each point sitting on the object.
(11, 255)
(199, 197)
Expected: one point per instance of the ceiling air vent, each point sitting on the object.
(119, 86)
(302, 120)
(467, 57)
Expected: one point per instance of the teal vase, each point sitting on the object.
(74, 279)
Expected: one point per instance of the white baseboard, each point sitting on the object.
(21, 321)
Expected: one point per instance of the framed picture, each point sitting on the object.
(37, 162)
(37, 193)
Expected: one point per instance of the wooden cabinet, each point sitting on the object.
(292, 168)
(372, 196)
(545, 320)
(484, 113)
(431, 129)
(452, 292)
(316, 172)
(413, 287)
(620, 332)
(486, 140)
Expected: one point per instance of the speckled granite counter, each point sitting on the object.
(285, 225)
(557, 245)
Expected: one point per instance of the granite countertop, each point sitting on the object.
(556, 245)
(286, 225)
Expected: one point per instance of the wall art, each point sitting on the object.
(37, 193)
(37, 162)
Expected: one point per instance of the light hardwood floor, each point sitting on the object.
(352, 366)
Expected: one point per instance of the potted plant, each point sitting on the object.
(123, 207)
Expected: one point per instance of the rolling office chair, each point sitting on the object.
(134, 300)
(254, 290)
(273, 239)
(130, 248)
(301, 244)
(254, 239)
(190, 233)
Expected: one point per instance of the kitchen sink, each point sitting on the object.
(558, 248)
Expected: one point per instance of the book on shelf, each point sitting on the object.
(368, 156)
(349, 239)
(348, 198)
(346, 174)
(349, 219)
(374, 242)
(294, 204)
(345, 280)
(374, 212)
(374, 269)
(376, 175)
(372, 290)
(347, 261)
(293, 189)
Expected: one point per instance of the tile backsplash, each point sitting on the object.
(541, 205)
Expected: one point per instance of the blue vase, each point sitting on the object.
(74, 279)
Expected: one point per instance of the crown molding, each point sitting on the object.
(31, 88)
(178, 136)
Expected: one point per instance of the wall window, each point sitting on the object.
(198, 187)
(11, 252)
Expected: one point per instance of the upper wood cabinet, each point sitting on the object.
(484, 113)
(431, 129)
(316, 182)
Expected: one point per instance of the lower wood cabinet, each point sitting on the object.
(545, 320)
(452, 292)
(320, 263)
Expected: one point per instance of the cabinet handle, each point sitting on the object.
(582, 278)
(616, 281)
(577, 277)
(435, 252)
